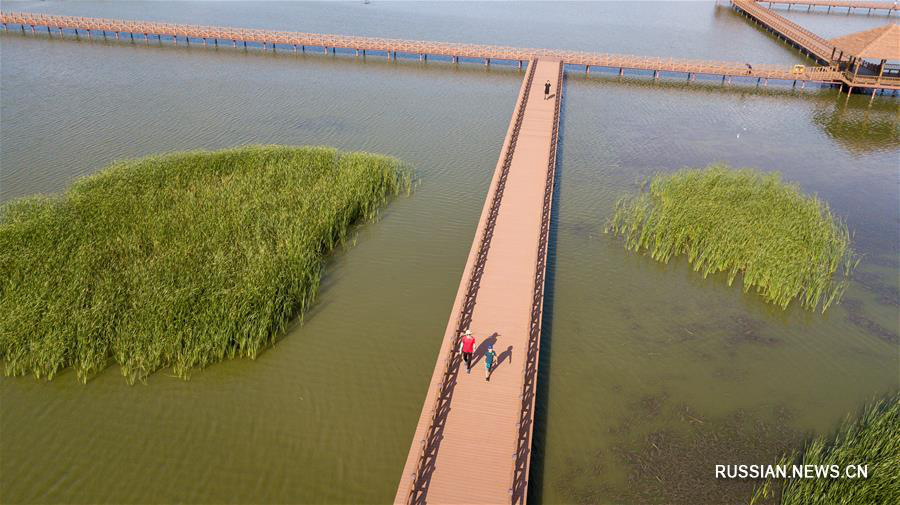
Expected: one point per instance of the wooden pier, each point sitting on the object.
(473, 440)
(845, 67)
(211, 36)
(806, 41)
(890, 7)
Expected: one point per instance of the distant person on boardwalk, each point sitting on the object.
(490, 357)
(467, 347)
(546, 90)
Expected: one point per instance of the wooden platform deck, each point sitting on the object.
(473, 440)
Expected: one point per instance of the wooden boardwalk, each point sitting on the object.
(145, 32)
(813, 45)
(818, 48)
(890, 7)
(806, 41)
(473, 440)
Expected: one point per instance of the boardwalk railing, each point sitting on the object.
(391, 47)
(849, 4)
(525, 426)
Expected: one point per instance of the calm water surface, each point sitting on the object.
(649, 374)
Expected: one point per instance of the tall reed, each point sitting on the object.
(179, 260)
(785, 244)
(872, 440)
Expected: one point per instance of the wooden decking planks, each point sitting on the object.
(474, 457)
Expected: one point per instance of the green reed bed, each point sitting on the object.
(872, 440)
(785, 244)
(179, 260)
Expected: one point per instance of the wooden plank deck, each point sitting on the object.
(472, 442)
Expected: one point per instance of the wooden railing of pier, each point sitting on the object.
(849, 4)
(391, 47)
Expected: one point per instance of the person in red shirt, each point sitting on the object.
(467, 347)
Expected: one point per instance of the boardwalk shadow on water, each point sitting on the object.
(536, 477)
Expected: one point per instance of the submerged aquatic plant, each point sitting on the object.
(872, 440)
(179, 260)
(785, 244)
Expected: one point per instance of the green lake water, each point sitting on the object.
(650, 374)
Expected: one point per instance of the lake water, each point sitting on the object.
(650, 374)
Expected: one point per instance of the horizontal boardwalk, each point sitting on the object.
(473, 440)
(890, 7)
(391, 47)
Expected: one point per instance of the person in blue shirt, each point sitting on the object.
(490, 358)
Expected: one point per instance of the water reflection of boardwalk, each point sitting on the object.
(473, 440)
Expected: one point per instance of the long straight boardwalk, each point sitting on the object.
(849, 4)
(473, 440)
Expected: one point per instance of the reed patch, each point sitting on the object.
(179, 260)
(786, 245)
(872, 441)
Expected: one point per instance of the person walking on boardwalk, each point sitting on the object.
(490, 357)
(467, 347)
(547, 90)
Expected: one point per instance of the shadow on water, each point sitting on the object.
(536, 477)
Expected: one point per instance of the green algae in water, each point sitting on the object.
(179, 260)
(786, 245)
